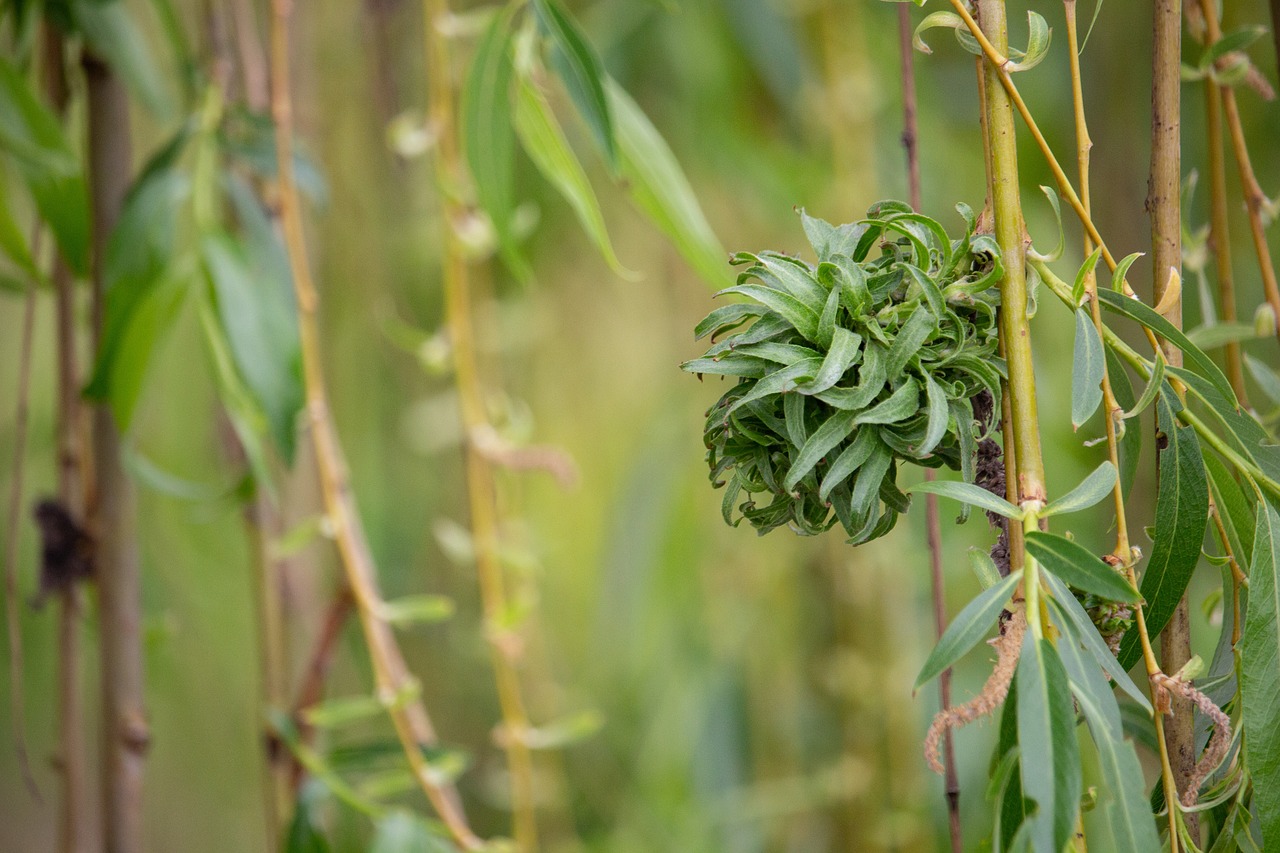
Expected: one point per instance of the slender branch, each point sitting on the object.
(504, 646)
(1219, 235)
(112, 509)
(412, 725)
(316, 673)
(13, 531)
(1254, 197)
(933, 523)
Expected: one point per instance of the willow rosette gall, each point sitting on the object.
(847, 368)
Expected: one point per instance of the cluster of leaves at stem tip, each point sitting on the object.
(849, 367)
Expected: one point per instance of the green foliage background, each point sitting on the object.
(756, 694)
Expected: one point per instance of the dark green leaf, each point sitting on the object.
(726, 318)
(1046, 735)
(919, 326)
(577, 64)
(1079, 567)
(939, 416)
(1236, 509)
(795, 311)
(973, 623)
(112, 35)
(833, 431)
(1087, 370)
(1260, 650)
(842, 354)
(1182, 509)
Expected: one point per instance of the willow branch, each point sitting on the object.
(409, 718)
(504, 646)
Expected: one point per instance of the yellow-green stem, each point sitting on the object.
(481, 487)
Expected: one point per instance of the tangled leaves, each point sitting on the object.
(849, 367)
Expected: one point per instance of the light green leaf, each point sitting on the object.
(951, 21)
(1260, 649)
(1182, 510)
(12, 242)
(984, 567)
(1079, 567)
(939, 416)
(1038, 39)
(970, 494)
(1052, 256)
(1153, 388)
(565, 731)
(488, 137)
(1087, 370)
(973, 623)
(919, 326)
(900, 405)
(795, 311)
(1094, 488)
(1229, 43)
(1266, 378)
(343, 710)
(1082, 276)
(578, 65)
(660, 189)
(400, 831)
(547, 147)
(1121, 270)
(1220, 334)
(417, 609)
(1050, 761)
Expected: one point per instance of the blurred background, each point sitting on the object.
(754, 693)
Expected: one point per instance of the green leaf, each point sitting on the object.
(1094, 488)
(343, 710)
(111, 35)
(246, 416)
(304, 834)
(1050, 760)
(968, 628)
(547, 147)
(726, 318)
(939, 416)
(1154, 384)
(259, 318)
(1260, 650)
(1121, 270)
(949, 20)
(1087, 370)
(488, 137)
(970, 494)
(1266, 378)
(849, 460)
(1082, 276)
(1143, 314)
(1182, 509)
(825, 438)
(565, 731)
(660, 189)
(984, 567)
(12, 241)
(577, 64)
(795, 311)
(417, 609)
(1229, 43)
(1236, 509)
(1038, 39)
(919, 326)
(1056, 253)
(1130, 439)
(1087, 633)
(842, 354)
(900, 405)
(1079, 567)
(48, 165)
(1220, 334)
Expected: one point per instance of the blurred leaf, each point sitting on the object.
(1182, 510)
(259, 319)
(1087, 370)
(579, 67)
(968, 628)
(152, 475)
(771, 44)
(343, 710)
(1261, 674)
(660, 189)
(417, 609)
(984, 568)
(1079, 567)
(304, 834)
(12, 242)
(1266, 378)
(1050, 761)
(546, 145)
(401, 832)
(112, 35)
(1143, 314)
(566, 730)
(1221, 334)
(48, 164)
(1092, 489)
(488, 136)
(1235, 508)
(1229, 43)
(970, 494)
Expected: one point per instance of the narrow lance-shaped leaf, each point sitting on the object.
(1087, 369)
(1046, 735)
(660, 189)
(577, 64)
(1182, 510)
(1094, 488)
(1079, 567)
(545, 143)
(1154, 384)
(1261, 670)
(968, 628)
(970, 494)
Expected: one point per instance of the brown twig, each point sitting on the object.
(311, 690)
(408, 715)
(933, 523)
(17, 695)
(112, 508)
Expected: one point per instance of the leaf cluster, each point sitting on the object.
(850, 367)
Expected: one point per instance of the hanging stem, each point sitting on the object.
(394, 683)
(1254, 197)
(933, 522)
(504, 645)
